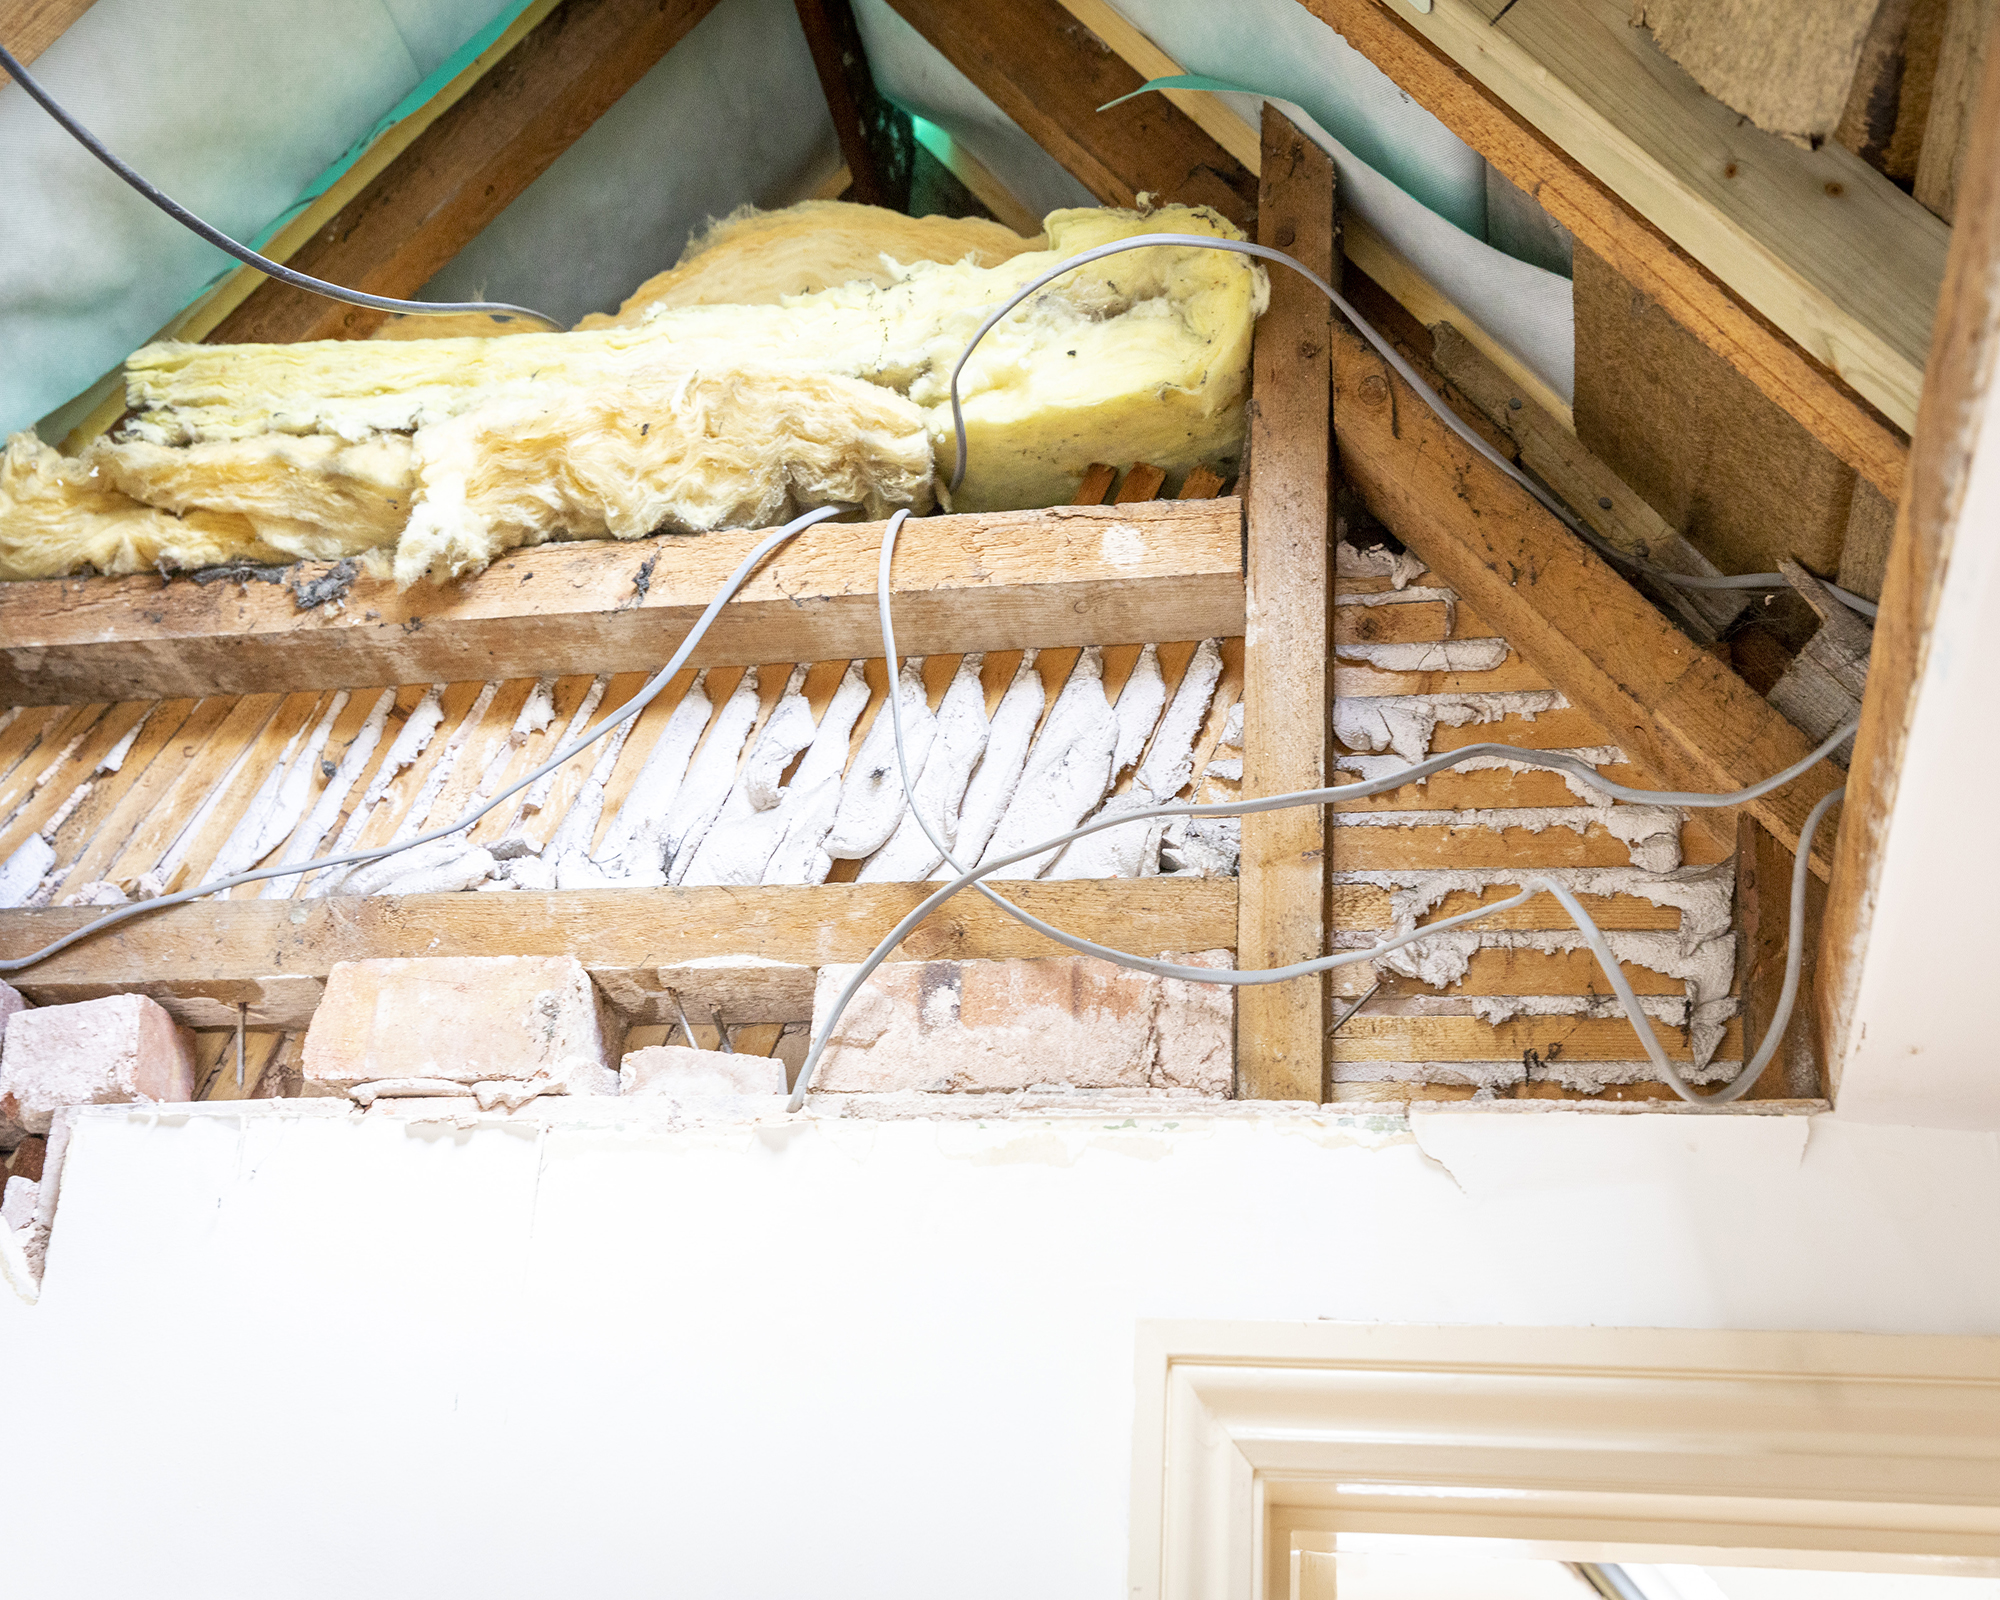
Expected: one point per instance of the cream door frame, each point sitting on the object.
(1253, 1440)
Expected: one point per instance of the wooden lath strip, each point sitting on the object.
(465, 167)
(991, 581)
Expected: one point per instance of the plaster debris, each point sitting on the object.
(1202, 847)
(1400, 567)
(440, 867)
(280, 804)
(806, 811)
(569, 846)
(958, 743)
(326, 809)
(709, 778)
(1405, 723)
(998, 775)
(418, 729)
(1368, 768)
(747, 829)
(1445, 655)
(22, 872)
(1133, 851)
(984, 1026)
(98, 893)
(1651, 834)
(1404, 597)
(634, 848)
(536, 797)
(714, 1079)
(1067, 773)
(95, 1052)
(872, 800)
(17, 1203)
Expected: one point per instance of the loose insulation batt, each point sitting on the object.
(685, 417)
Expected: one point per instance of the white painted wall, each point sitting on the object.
(306, 1354)
(1926, 1040)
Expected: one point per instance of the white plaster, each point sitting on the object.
(1651, 834)
(22, 870)
(1067, 773)
(999, 772)
(937, 1319)
(1443, 655)
(1368, 768)
(872, 798)
(281, 803)
(634, 846)
(1134, 851)
(326, 809)
(1405, 723)
(958, 743)
(806, 812)
(739, 842)
(709, 778)
(417, 731)
(1401, 568)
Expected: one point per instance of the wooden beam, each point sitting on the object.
(1748, 253)
(200, 960)
(1552, 451)
(876, 140)
(28, 27)
(464, 168)
(1049, 73)
(1680, 715)
(1280, 1028)
(1959, 412)
(1070, 575)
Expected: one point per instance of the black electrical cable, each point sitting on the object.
(242, 252)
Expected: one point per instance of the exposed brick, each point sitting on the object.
(470, 1019)
(11, 1132)
(684, 1073)
(97, 1052)
(1069, 1021)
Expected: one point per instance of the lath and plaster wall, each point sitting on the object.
(320, 1355)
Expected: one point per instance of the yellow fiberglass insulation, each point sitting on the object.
(58, 515)
(757, 258)
(695, 416)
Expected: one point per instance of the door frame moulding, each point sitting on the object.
(1252, 1440)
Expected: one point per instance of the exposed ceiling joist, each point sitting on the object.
(465, 168)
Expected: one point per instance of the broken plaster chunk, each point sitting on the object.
(713, 1078)
(468, 1020)
(1071, 1022)
(96, 1052)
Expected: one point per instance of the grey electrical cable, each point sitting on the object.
(624, 713)
(242, 252)
(973, 878)
(1403, 369)
(1781, 1014)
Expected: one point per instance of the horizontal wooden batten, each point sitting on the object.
(1070, 575)
(202, 960)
